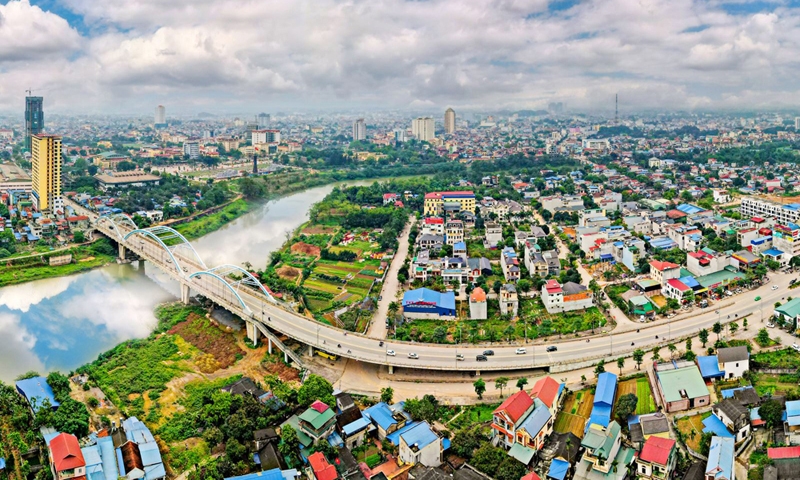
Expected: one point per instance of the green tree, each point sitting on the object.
(480, 387)
(599, 368)
(521, 383)
(465, 441)
(626, 406)
(387, 394)
(290, 444)
(656, 356)
(705, 443)
(688, 344)
(72, 417)
(60, 385)
(703, 337)
(717, 328)
(510, 469)
(524, 285)
(497, 286)
(762, 337)
(771, 412)
(508, 332)
(672, 349)
(500, 384)
(488, 458)
(620, 364)
(439, 335)
(316, 388)
(733, 326)
(638, 357)
(78, 236)
(235, 451)
(744, 324)
(426, 408)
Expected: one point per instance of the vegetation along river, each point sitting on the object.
(62, 323)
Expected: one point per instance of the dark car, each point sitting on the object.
(481, 358)
(552, 348)
(488, 353)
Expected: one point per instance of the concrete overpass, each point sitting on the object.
(236, 290)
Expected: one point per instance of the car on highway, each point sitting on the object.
(796, 347)
(413, 355)
(481, 358)
(459, 357)
(521, 351)
(770, 325)
(488, 352)
(552, 348)
(774, 287)
(390, 353)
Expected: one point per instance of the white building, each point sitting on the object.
(754, 207)
(477, 304)
(734, 361)
(192, 149)
(265, 136)
(449, 121)
(423, 128)
(721, 196)
(359, 130)
(735, 416)
(565, 298)
(420, 444)
(161, 116)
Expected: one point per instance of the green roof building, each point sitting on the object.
(682, 388)
(641, 305)
(790, 311)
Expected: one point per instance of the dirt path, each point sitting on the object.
(391, 286)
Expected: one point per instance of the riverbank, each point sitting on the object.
(205, 224)
(84, 258)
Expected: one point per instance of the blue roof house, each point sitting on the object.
(386, 419)
(603, 400)
(420, 444)
(720, 459)
(427, 303)
(36, 391)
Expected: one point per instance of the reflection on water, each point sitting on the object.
(62, 323)
(252, 237)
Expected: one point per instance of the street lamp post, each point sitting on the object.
(761, 304)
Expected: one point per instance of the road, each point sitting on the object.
(251, 305)
(391, 285)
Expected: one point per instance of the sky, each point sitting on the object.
(127, 56)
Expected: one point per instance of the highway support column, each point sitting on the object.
(310, 350)
(252, 332)
(391, 369)
(121, 251)
(185, 293)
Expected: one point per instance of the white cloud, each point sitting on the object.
(21, 297)
(394, 53)
(17, 355)
(28, 34)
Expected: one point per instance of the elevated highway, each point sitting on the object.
(236, 290)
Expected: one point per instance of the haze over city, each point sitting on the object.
(118, 56)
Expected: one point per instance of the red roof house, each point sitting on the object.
(783, 452)
(657, 450)
(661, 266)
(510, 414)
(530, 476)
(322, 469)
(66, 455)
(546, 389)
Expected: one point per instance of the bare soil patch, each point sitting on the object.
(319, 230)
(219, 347)
(288, 272)
(305, 249)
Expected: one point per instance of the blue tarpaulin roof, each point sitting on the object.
(355, 426)
(558, 469)
(36, 390)
(274, 474)
(709, 367)
(443, 300)
(773, 252)
(715, 426)
(728, 392)
(606, 389)
(381, 414)
(601, 415)
(690, 282)
(394, 437)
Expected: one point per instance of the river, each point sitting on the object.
(62, 323)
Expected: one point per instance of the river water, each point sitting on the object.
(62, 323)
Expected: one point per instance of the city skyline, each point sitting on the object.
(126, 57)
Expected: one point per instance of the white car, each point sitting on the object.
(774, 287)
(770, 325)
(413, 355)
(390, 353)
(796, 347)
(521, 351)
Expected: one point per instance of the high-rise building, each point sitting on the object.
(423, 128)
(191, 148)
(265, 136)
(400, 135)
(34, 118)
(161, 117)
(359, 130)
(46, 165)
(263, 120)
(449, 121)
(797, 124)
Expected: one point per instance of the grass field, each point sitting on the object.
(575, 414)
(690, 424)
(771, 384)
(641, 388)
